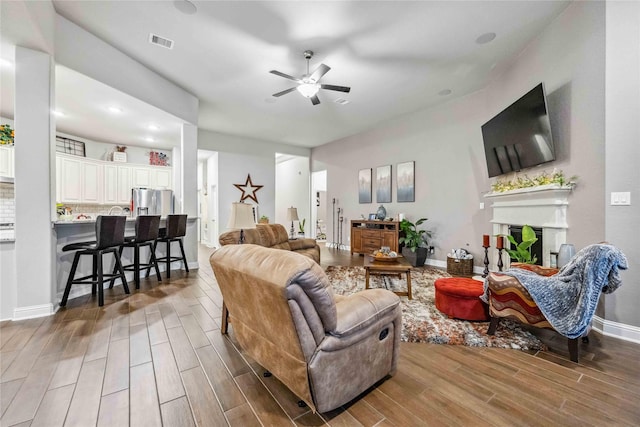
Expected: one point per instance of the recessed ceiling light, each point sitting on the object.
(149, 139)
(115, 110)
(486, 38)
(153, 127)
(185, 6)
(5, 63)
(444, 92)
(58, 113)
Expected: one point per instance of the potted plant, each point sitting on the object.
(6, 135)
(263, 220)
(415, 242)
(522, 251)
(301, 227)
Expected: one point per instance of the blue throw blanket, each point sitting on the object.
(568, 299)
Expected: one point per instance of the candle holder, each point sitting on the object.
(486, 261)
(500, 259)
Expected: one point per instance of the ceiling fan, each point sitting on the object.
(308, 84)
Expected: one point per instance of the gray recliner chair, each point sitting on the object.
(327, 349)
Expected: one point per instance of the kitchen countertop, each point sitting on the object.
(93, 221)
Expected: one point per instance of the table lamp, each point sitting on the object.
(241, 218)
(292, 215)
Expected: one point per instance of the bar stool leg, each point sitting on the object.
(99, 284)
(121, 270)
(168, 258)
(136, 265)
(153, 253)
(72, 273)
(94, 274)
(184, 258)
(154, 262)
(115, 269)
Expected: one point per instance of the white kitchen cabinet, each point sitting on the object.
(162, 178)
(110, 184)
(7, 161)
(70, 180)
(81, 180)
(92, 182)
(117, 184)
(152, 177)
(124, 185)
(141, 177)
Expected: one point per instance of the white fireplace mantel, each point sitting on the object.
(544, 207)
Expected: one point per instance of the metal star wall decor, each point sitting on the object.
(248, 189)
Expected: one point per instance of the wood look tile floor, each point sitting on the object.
(157, 358)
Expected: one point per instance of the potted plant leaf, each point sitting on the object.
(301, 227)
(522, 251)
(415, 242)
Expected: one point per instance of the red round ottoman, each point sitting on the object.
(459, 297)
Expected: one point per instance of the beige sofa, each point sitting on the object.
(273, 236)
(326, 349)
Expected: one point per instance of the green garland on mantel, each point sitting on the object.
(524, 181)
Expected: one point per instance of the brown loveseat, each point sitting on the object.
(326, 349)
(273, 236)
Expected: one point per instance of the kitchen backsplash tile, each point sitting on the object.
(93, 210)
(7, 203)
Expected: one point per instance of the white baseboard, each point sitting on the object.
(616, 330)
(436, 263)
(33, 311)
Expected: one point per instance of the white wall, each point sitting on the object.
(450, 175)
(237, 157)
(446, 141)
(293, 189)
(623, 153)
(103, 150)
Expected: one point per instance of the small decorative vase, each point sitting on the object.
(381, 213)
(565, 253)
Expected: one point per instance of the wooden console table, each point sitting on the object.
(369, 236)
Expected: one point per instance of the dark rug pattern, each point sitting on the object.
(423, 322)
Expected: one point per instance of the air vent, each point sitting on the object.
(160, 41)
(341, 101)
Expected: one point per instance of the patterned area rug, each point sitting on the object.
(423, 322)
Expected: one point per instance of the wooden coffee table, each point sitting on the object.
(380, 268)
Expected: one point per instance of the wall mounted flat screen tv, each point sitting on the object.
(520, 136)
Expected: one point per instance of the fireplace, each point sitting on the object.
(536, 248)
(543, 207)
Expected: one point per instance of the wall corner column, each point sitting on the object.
(34, 178)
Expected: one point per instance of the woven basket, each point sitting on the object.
(460, 267)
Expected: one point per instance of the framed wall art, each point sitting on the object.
(364, 186)
(405, 181)
(383, 184)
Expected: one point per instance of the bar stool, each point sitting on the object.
(174, 232)
(147, 229)
(109, 235)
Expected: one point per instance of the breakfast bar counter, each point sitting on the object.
(66, 232)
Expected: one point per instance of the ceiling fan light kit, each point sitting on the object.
(308, 85)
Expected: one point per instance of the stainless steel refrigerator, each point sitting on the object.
(147, 201)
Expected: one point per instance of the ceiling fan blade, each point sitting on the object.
(319, 72)
(314, 100)
(284, 92)
(338, 88)
(286, 76)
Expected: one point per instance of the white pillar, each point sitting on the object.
(34, 183)
(189, 189)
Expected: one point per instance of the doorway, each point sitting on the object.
(319, 208)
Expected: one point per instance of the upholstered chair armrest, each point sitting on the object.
(298, 244)
(538, 269)
(360, 315)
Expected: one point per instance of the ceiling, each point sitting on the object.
(398, 57)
